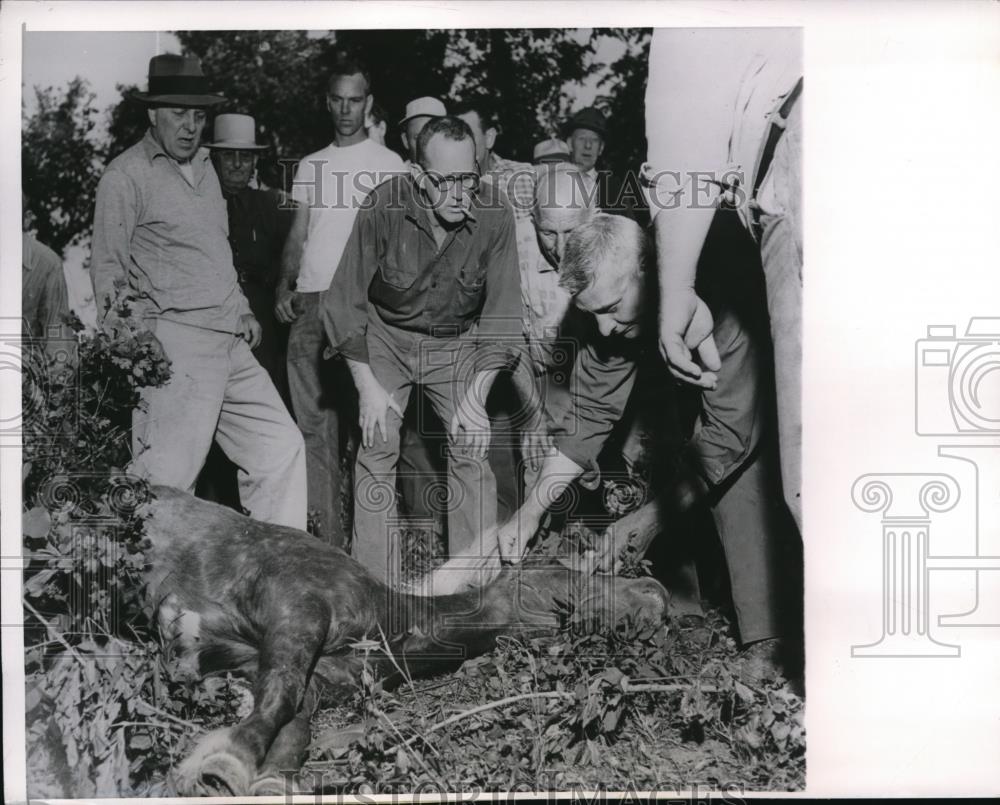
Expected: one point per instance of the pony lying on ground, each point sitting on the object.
(284, 608)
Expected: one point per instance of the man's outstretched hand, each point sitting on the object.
(686, 325)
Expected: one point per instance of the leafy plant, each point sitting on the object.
(107, 712)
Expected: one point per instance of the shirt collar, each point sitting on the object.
(153, 149)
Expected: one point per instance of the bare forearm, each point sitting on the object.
(291, 254)
(557, 474)
(680, 237)
(291, 259)
(361, 373)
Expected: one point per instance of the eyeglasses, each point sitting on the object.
(469, 182)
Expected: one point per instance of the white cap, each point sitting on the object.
(423, 107)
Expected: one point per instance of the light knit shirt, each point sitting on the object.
(333, 183)
(168, 238)
(712, 117)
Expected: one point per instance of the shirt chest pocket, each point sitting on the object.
(398, 268)
(472, 276)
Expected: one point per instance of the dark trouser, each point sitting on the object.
(324, 401)
(272, 350)
(728, 446)
(505, 409)
(423, 463)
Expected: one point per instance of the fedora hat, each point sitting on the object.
(177, 81)
(423, 107)
(235, 133)
(590, 118)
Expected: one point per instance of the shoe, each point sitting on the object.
(690, 621)
(762, 661)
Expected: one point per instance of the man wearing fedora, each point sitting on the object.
(160, 227)
(259, 221)
(330, 187)
(586, 134)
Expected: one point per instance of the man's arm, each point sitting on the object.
(374, 402)
(115, 216)
(501, 321)
(498, 334)
(291, 260)
(343, 307)
(600, 388)
(683, 158)
(685, 321)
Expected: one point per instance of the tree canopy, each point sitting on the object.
(61, 162)
(528, 78)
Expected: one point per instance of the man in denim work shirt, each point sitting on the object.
(160, 225)
(605, 268)
(431, 254)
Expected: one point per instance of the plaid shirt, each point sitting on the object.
(544, 303)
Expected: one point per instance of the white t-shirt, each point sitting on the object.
(333, 183)
(709, 98)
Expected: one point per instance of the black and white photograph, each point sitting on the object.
(411, 408)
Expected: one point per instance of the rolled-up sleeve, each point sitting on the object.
(344, 306)
(599, 388)
(115, 216)
(500, 330)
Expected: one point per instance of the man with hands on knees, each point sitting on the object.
(431, 254)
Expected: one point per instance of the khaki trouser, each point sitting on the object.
(217, 389)
(780, 201)
(444, 368)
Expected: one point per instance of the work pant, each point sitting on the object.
(443, 367)
(727, 447)
(323, 402)
(217, 389)
(780, 202)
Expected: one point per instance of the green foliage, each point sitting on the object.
(61, 163)
(107, 713)
(612, 708)
(524, 76)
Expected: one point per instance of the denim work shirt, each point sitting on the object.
(392, 263)
(728, 430)
(168, 238)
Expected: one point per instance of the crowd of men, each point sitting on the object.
(405, 313)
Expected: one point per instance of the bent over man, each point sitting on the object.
(431, 254)
(605, 268)
(160, 224)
